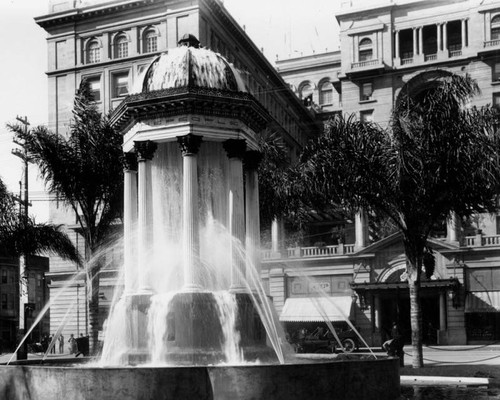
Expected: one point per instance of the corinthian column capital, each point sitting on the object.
(189, 144)
(145, 149)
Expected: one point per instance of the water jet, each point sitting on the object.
(193, 320)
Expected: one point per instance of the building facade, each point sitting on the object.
(384, 50)
(37, 296)
(110, 44)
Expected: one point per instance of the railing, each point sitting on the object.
(406, 61)
(455, 53)
(491, 43)
(430, 57)
(308, 252)
(482, 240)
(362, 64)
(345, 249)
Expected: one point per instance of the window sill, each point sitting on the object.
(495, 83)
(367, 101)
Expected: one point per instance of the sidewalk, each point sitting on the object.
(462, 361)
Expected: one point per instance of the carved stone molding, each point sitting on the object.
(145, 149)
(189, 144)
(235, 148)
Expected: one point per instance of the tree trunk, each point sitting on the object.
(415, 315)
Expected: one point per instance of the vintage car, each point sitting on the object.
(323, 341)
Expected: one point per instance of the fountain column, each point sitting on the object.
(145, 152)
(235, 149)
(190, 145)
(252, 221)
(130, 220)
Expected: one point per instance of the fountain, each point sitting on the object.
(193, 320)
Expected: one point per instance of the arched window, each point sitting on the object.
(93, 52)
(150, 41)
(495, 27)
(365, 50)
(121, 46)
(325, 93)
(306, 94)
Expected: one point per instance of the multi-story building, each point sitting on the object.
(37, 297)
(110, 43)
(385, 50)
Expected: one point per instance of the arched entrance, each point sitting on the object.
(395, 305)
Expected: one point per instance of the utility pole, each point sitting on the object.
(24, 306)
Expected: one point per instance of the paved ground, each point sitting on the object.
(465, 361)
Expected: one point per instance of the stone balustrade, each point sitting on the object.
(345, 249)
(309, 252)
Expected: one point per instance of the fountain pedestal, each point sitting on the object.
(138, 305)
(196, 334)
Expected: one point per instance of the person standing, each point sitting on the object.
(61, 343)
(52, 344)
(72, 344)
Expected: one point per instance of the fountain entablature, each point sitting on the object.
(190, 90)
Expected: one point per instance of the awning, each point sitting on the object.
(482, 302)
(316, 309)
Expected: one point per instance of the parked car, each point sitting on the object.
(323, 341)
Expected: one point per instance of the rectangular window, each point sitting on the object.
(366, 91)
(4, 301)
(122, 49)
(151, 44)
(496, 71)
(95, 87)
(4, 276)
(495, 33)
(366, 116)
(120, 84)
(496, 100)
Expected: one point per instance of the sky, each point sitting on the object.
(282, 28)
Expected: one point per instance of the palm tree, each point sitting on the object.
(21, 235)
(438, 157)
(85, 169)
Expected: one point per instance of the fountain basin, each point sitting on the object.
(351, 379)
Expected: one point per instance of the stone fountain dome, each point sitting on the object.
(192, 66)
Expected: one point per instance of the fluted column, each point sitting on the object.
(145, 152)
(190, 144)
(415, 49)
(361, 229)
(445, 37)
(438, 27)
(130, 221)
(235, 150)
(421, 40)
(464, 33)
(453, 228)
(252, 221)
(396, 38)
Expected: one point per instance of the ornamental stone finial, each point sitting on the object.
(189, 144)
(235, 148)
(145, 149)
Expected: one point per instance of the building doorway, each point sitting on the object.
(396, 309)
